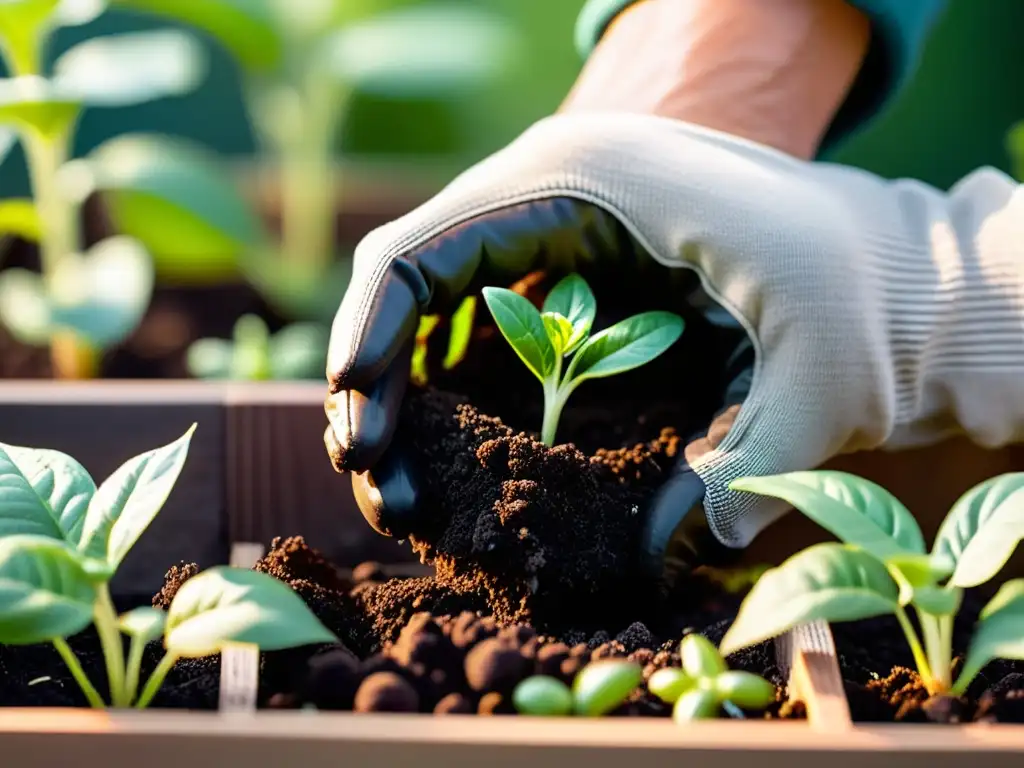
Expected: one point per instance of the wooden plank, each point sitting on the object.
(807, 654)
(171, 739)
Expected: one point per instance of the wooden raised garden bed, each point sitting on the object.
(257, 470)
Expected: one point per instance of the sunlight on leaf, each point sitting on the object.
(42, 492)
(33, 104)
(132, 68)
(413, 51)
(19, 217)
(24, 308)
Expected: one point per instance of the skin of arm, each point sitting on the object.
(771, 71)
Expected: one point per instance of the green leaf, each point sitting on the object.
(232, 605)
(542, 695)
(982, 529)
(72, 13)
(521, 325)
(174, 197)
(24, 306)
(421, 51)
(603, 685)
(830, 582)
(700, 657)
(127, 501)
(853, 509)
(125, 69)
(19, 217)
(251, 358)
(210, 359)
(102, 296)
(299, 351)
(461, 333)
(572, 299)
(247, 28)
(44, 591)
(43, 493)
(744, 689)
(625, 346)
(669, 683)
(1015, 145)
(144, 623)
(999, 633)
(24, 28)
(559, 331)
(31, 103)
(698, 704)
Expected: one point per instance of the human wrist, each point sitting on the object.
(774, 72)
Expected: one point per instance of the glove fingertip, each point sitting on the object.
(387, 497)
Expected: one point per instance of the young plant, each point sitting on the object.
(62, 540)
(561, 332)
(597, 689)
(301, 63)
(83, 302)
(704, 684)
(254, 354)
(883, 568)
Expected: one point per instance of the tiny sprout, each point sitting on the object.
(543, 695)
(598, 688)
(562, 330)
(704, 684)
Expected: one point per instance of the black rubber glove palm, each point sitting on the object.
(373, 336)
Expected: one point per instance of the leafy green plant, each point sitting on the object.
(459, 335)
(1015, 145)
(882, 567)
(62, 540)
(300, 64)
(705, 684)
(597, 689)
(83, 302)
(297, 351)
(561, 331)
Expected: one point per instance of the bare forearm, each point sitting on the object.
(772, 71)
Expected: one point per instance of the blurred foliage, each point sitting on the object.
(1015, 146)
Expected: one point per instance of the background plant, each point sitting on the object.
(254, 354)
(83, 302)
(62, 540)
(561, 332)
(883, 567)
(301, 61)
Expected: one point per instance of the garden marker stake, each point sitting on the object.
(882, 567)
(543, 340)
(61, 542)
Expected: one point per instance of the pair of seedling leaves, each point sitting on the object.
(697, 691)
(254, 354)
(562, 330)
(62, 540)
(882, 566)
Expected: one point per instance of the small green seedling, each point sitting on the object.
(882, 567)
(84, 301)
(562, 331)
(597, 689)
(61, 541)
(254, 354)
(705, 684)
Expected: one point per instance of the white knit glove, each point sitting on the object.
(883, 314)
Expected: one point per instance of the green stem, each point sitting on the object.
(156, 680)
(923, 669)
(91, 694)
(105, 619)
(939, 649)
(72, 357)
(553, 403)
(131, 684)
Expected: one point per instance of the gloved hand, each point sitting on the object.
(881, 313)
